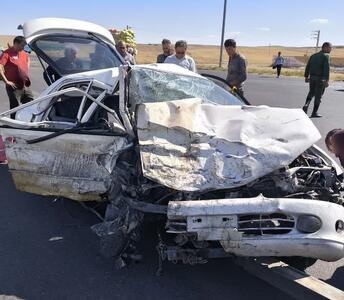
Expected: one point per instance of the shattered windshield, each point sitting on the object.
(68, 54)
(147, 85)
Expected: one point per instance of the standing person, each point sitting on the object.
(121, 47)
(278, 63)
(14, 71)
(236, 75)
(167, 50)
(317, 73)
(180, 58)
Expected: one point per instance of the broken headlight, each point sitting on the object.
(308, 223)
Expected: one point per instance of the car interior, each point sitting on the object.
(64, 108)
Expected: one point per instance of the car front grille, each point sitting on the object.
(265, 224)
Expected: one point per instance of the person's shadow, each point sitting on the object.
(337, 278)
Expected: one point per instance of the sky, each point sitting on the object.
(250, 22)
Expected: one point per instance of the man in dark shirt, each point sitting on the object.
(317, 73)
(70, 62)
(236, 67)
(167, 50)
(14, 71)
(335, 143)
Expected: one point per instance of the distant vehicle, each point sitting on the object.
(222, 177)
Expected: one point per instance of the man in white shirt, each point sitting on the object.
(180, 58)
(121, 47)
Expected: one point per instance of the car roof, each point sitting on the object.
(43, 26)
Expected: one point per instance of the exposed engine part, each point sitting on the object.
(190, 256)
(308, 177)
(121, 227)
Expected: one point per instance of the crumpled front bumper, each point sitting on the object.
(219, 220)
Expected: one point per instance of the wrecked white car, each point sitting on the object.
(222, 178)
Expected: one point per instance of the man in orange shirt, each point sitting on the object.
(14, 71)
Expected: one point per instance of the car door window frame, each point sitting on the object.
(50, 62)
(44, 123)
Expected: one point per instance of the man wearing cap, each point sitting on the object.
(236, 75)
(14, 71)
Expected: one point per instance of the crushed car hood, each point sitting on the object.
(188, 145)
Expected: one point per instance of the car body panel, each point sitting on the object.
(75, 166)
(212, 223)
(188, 145)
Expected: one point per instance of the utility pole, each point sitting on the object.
(316, 35)
(223, 31)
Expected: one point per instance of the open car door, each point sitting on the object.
(70, 46)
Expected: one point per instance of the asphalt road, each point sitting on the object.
(48, 251)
